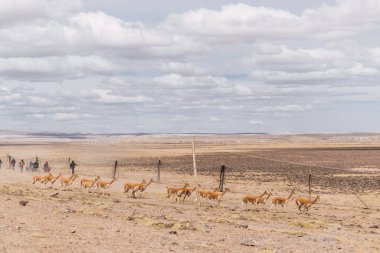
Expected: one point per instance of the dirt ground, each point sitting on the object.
(343, 168)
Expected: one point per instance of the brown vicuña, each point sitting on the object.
(186, 192)
(87, 183)
(50, 178)
(104, 184)
(216, 196)
(141, 188)
(204, 193)
(67, 181)
(252, 199)
(263, 200)
(306, 203)
(130, 186)
(281, 200)
(40, 179)
(175, 190)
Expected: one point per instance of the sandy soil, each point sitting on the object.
(72, 220)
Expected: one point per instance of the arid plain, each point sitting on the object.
(345, 172)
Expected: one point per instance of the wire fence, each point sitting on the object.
(294, 166)
(271, 166)
(341, 176)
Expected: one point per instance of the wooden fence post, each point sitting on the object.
(159, 171)
(221, 177)
(310, 185)
(195, 173)
(115, 169)
(9, 161)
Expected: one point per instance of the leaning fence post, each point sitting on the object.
(114, 170)
(221, 177)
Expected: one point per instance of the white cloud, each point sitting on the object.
(180, 118)
(106, 97)
(214, 119)
(37, 116)
(256, 122)
(69, 116)
(55, 68)
(313, 66)
(11, 10)
(242, 22)
(283, 108)
(10, 98)
(61, 116)
(182, 68)
(178, 81)
(61, 62)
(234, 21)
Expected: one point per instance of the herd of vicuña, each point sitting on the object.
(180, 193)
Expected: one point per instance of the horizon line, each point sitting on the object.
(58, 133)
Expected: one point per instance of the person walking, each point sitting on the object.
(31, 166)
(72, 166)
(36, 165)
(46, 167)
(21, 165)
(13, 164)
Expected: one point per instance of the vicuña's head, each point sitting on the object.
(186, 185)
(227, 190)
(143, 182)
(269, 194)
(317, 198)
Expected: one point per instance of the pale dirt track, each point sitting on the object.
(81, 222)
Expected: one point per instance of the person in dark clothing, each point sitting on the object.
(1, 162)
(72, 166)
(46, 167)
(36, 165)
(13, 164)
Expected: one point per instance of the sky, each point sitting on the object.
(215, 66)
